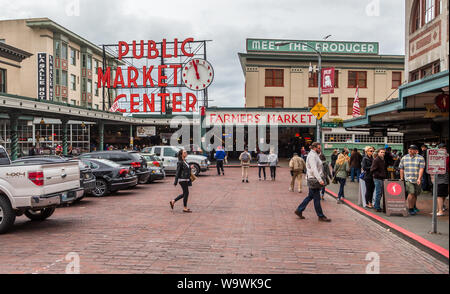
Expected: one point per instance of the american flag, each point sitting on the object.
(356, 109)
(114, 107)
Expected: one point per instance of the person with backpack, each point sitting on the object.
(273, 161)
(262, 163)
(342, 169)
(297, 166)
(326, 173)
(245, 158)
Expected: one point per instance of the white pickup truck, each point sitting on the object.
(35, 189)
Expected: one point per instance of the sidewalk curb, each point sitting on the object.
(430, 247)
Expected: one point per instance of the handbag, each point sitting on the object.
(313, 183)
(334, 180)
(193, 177)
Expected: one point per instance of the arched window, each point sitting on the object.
(415, 16)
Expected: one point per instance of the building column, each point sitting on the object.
(64, 135)
(101, 130)
(14, 121)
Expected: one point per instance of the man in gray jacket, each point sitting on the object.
(314, 169)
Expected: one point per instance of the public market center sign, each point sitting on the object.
(298, 46)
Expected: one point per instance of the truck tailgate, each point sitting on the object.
(61, 177)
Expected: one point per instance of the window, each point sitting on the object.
(72, 57)
(362, 105)
(357, 78)
(57, 48)
(96, 106)
(64, 51)
(96, 88)
(73, 82)
(274, 102)
(338, 138)
(426, 71)
(430, 10)
(73, 102)
(96, 65)
(83, 85)
(436, 67)
(415, 24)
(64, 78)
(414, 76)
(157, 151)
(395, 139)
(274, 78)
(334, 106)
(83, 60)
(313, 78)
(2, 80)
(312, 101)
(396, 79)
(365, 138)
(336, 78)
(170, 152)
(89, 86)
(89, 62)
(57, 77)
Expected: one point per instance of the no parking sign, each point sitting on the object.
(394, 195)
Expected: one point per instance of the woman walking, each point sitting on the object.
(273, 161)
(183, 177)
(366, 164)
(342, 168)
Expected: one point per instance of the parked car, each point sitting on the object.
(87, 178)
(131, 159)
(168, 154)
(110, 176)
(35, 189)
(154, 164)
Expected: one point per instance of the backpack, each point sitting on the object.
(296, 165)
(245, 157)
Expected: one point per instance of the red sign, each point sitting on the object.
(394, 189)
(328, 80)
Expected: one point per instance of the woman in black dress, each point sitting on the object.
(183, 177)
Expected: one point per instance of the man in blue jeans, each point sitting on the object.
(314, 169)
(355, 165)
(378, 171)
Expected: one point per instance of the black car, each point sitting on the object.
(87, 178)
(131, 159)
(110, 176)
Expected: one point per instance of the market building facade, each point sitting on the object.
(283, 74)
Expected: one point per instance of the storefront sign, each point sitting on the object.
(146, 131)
(260, 45)
(394, 197)
(42, 76)
(434, 111)
(282, 118)
(328, 80)
(196, 74)
(436, 161)
(50, 77)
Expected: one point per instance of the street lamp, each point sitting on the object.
(319, 56)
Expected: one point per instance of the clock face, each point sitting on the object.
(197, 74)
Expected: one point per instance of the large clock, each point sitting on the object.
(197, 74)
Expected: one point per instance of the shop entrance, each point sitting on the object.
(292, 139)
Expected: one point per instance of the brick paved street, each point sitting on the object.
(234, 228)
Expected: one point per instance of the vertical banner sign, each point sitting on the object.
(50, 77)
(42, 76)
(328, 80)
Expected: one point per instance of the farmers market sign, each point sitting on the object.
(298, 46)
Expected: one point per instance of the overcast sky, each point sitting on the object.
(228, 23)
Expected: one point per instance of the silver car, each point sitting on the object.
(168, 154)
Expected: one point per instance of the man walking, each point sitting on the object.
(378, 171)
(411, 167)
(315, 180)
(220, 157)
(245, 158)
(355, 165)
(297, 166)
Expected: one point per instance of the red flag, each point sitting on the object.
(115, 106)
(356, 109)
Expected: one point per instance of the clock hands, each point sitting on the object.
(196, 69)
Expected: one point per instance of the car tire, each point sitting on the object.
(101, 188)
(7, 215)
(39, 215)
(195, 168)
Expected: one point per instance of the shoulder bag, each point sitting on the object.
(334, 181)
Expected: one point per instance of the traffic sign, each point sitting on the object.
(319, 110)
(436, 161)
